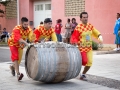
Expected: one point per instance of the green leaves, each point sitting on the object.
(94, 45)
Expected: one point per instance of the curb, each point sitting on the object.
(94, 52)
(2, 45)
(106, 52)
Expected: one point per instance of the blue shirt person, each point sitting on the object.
(116, 29)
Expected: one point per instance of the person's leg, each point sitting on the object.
(20, 55)
(68, 40)
(64, 40)
(60, 38)
(88, 65)
(19, 75)
(116, 42)
(86, 68)
(15, 58)
(2, 37)
(57, 37)
(16, 65)
(119, 46)
(20, 52)
(119, 43)
(72, 32)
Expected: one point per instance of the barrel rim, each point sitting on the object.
(26, 55)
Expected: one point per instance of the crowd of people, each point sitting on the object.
(69, 28)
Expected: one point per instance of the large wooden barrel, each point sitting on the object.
(52, 62)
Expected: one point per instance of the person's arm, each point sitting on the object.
(23, 41)
(17, 37)
(75, 36)
(57, 27)
(116, 28)
(76, 24)
(37, 34)
(96, 34)
(31, 36)
(70, 25)
(65, 27)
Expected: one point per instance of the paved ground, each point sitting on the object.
(106, 66)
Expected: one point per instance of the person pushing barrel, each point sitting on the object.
(45, 32)
(17, 42)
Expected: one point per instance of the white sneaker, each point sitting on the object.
(116, 49)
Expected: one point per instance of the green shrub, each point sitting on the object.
(94, 45)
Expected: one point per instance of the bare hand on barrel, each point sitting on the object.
(45, 40)
(23, 43)
(74, 44)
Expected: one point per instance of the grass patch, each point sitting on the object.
(3, 43)
(94, 45)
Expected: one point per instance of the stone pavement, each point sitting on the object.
(106, 66)
(8, 82)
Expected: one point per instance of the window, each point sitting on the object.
(39, 7)
(47, 6)
(36, 7)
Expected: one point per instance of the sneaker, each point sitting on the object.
(12, 70)
(116, 49)
(83, 77)
(20, 76)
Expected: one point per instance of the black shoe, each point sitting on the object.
(20, 76)
(83, 77)
(12, 70)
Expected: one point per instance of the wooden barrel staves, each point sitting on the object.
(51, 62)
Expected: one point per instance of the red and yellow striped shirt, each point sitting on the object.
(82, 35)
(19, 33)
(42, 33)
